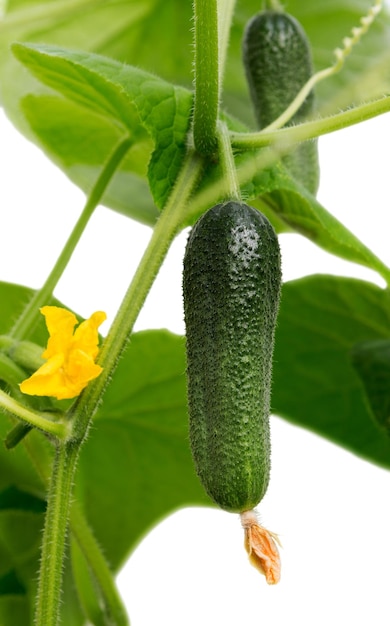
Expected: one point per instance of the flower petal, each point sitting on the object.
(81, 367)
(60, 324)
(48, 380)
(86, 337)
(261, 545)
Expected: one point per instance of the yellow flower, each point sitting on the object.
(70, 356)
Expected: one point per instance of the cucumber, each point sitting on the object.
(231, 288)
(277, 60)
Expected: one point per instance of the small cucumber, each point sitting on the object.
(231, 287)
(277, 60)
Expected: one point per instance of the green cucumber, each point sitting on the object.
(231, 288)
(277, 60)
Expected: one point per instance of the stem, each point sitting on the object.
(207, 82)
(16, 435)
(225, 17)
(99, 567)
(86, 542)
(288, 137)
(227, 163)
(163, 234)
(54, 536)
(33, 418)
(53, 547)
(28, 319)
(246, 171)
(273, 5)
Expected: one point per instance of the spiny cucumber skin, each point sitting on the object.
(231, 287)
(277, 60)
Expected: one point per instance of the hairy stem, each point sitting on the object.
(82, 411)
(207, 81)
(227, 163)
(54, 536)
(33, 418)
(163, 234)
(86, 541)
(30, 315)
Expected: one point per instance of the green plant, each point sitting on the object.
(164, 159)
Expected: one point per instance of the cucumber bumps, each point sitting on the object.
(277, 60)
(231, 285)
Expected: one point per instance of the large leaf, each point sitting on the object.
(314, 383)
(136, 467)
(107, 98)
(118, 99)
(149, 33)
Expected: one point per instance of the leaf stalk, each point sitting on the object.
(27, 321)
(59, 429)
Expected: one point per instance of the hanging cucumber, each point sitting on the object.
(231, 286)
(277, 60)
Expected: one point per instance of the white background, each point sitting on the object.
(330, 508)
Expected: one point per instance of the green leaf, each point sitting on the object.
(106, 97)
(145, 33)
(371, 360)
(127, 99)
(14, 498)
(14, 609)
(138, 103)
(65, 130)
(136, 467)
(149, 33)
(300, 211)
(10, 584)
(314, 383)
(20, 538)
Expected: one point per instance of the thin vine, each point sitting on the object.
(341, 54)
